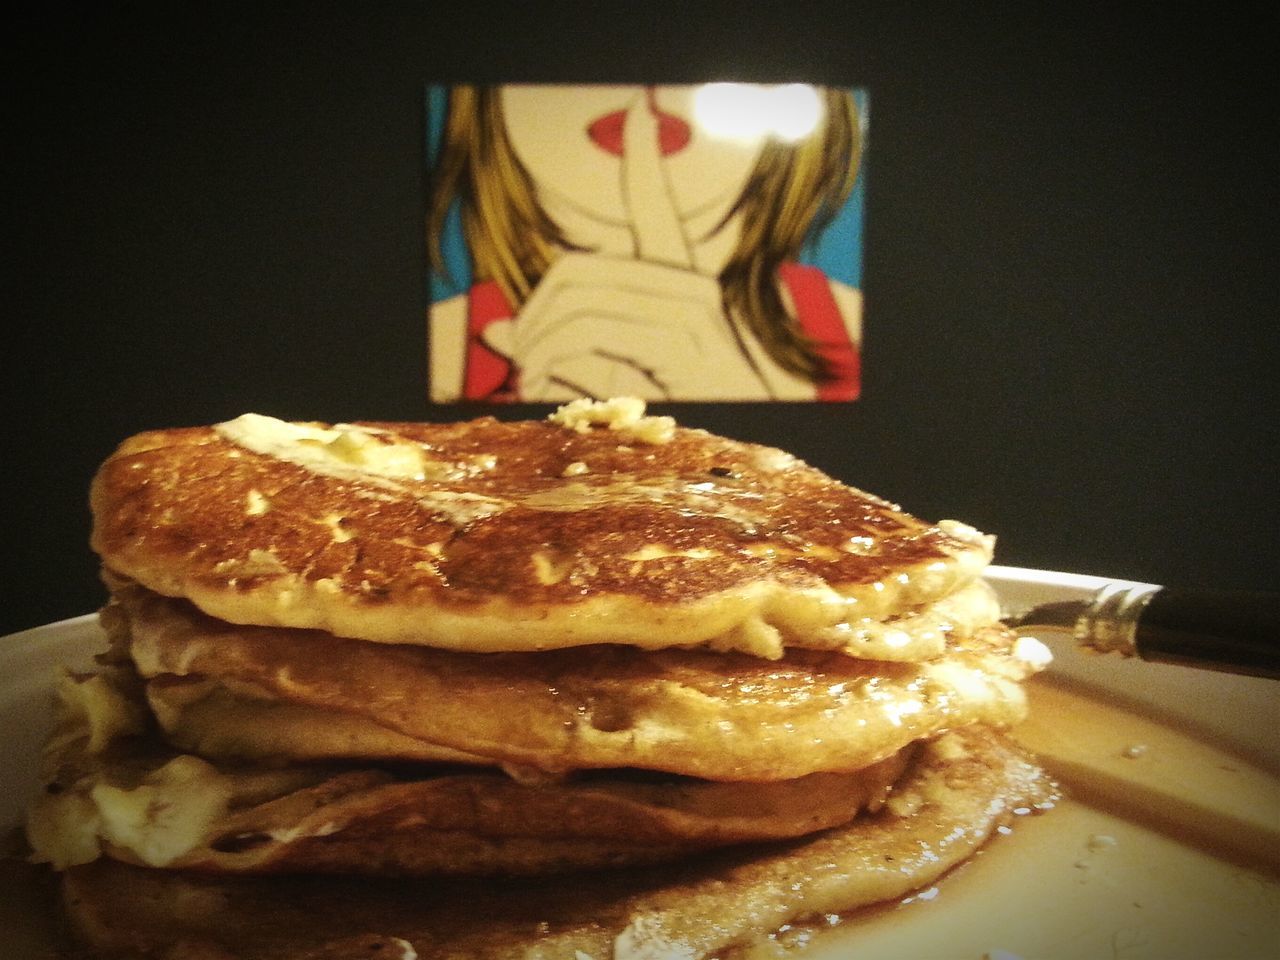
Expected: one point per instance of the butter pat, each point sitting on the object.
(623, 414)
(339, 451)
(165, 816)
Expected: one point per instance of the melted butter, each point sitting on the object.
(371, 456)
(700, 498)
(349, 452)
(344, 451)
(461, 508)
(166, 815)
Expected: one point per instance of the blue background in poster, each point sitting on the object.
(837, 250)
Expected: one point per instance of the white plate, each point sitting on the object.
(1053, 890)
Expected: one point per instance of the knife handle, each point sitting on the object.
(1236, 631)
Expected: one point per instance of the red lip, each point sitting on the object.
(673, 133)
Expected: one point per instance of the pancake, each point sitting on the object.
(969, 785)
(236, 721)
(697, 713)
(130, 796)
(597, 525)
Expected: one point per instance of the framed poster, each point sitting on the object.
(687, 243)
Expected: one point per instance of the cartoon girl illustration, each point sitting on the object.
(619, 249)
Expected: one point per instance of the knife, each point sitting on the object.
(1230, 630)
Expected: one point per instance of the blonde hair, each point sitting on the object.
(794, 190)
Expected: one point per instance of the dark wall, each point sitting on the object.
(1070, 276)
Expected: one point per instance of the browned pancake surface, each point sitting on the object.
(515, 536)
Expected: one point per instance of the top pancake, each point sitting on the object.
(598, 525)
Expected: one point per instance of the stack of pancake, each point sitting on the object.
(737, 692)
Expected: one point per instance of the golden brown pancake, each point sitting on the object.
(236, 721)
(140, 802)
(489, 536)
(968, 786)
(693, 712)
